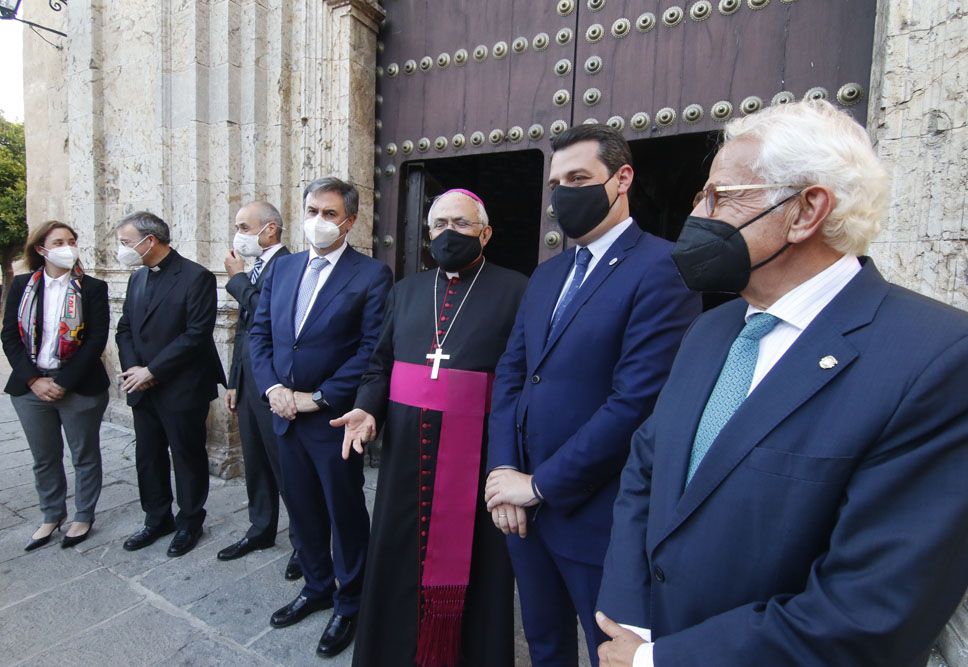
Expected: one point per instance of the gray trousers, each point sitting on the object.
(80, 417)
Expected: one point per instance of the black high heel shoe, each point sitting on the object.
(41, 541)
(69, 541)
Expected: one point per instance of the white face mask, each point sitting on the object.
(247, 245)
(321, 233)
(129, 256)
(63, 257)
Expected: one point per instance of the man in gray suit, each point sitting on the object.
(258, 234)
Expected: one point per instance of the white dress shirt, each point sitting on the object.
(268, 253)
(55, 293)
(324, 274)
(331, 259)
(598, 248)
(796, 310)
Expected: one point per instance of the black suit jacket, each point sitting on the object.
(172, 335)
(83, 372)
(247, 295)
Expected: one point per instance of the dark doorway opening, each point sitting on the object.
(510, 185)
(669, 171)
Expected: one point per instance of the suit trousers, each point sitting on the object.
(184, 433)
(328, 510)
(42, 421)
(553, 590)
(260, 454)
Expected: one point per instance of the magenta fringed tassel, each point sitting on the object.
(438, 637)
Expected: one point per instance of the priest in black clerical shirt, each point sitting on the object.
(439, 587)
(171, 373)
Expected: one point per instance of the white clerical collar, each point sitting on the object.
(803, 303)
(600, 246)
(456, 274)
(269, 252)
(332, 256)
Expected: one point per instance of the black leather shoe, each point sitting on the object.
(41, 541)
(183, 542)
(72, 541)
(243, 547)
(337, 635)
(293, 568)
(148, 536)
(297, 610)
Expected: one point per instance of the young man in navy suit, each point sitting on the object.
(591, 347)
(318, 321)
(798, 495)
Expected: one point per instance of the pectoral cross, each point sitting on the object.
(437, 357)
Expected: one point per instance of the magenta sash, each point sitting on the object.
(463, 398)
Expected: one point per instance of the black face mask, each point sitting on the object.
(453, 251)
(580, 210)
(712, 256)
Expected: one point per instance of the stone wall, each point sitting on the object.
(919, 120)
(190, 109)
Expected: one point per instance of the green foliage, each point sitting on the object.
(13, 185)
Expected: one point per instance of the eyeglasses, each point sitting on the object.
(711, 193)
(459, 224)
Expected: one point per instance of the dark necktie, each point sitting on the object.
(582, 259)
(256, 270)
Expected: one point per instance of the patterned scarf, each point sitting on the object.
(71, 321)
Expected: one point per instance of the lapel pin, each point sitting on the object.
(828, 362)
(614, 261)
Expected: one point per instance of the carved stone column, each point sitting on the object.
(349, 130)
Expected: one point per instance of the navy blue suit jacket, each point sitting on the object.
(564, 408)
(828, 524)
(334, 346)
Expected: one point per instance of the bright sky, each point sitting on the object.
(12, 70)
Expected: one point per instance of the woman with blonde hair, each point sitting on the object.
(55, 327)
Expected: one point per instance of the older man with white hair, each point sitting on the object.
(438, 587)
(798, 495)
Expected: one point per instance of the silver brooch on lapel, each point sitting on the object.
(614, 261)
(828, 362)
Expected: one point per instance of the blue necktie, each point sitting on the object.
(582, 259)
(732, 386)
(307, 287)
(256, 270)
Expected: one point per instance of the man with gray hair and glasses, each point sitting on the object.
(798, 495)
(428, 382)
(171, 372)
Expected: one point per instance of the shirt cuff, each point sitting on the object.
(643, 656)
(269, 390)
(644, 633)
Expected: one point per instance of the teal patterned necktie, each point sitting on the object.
(732, 386)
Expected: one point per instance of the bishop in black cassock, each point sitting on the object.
(406, 616)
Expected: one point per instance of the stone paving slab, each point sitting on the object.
(38, 572)
(62, 612)
(243, 617)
